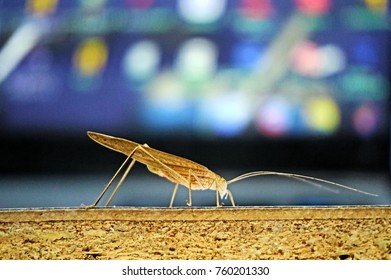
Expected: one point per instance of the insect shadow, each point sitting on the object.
(182, 171)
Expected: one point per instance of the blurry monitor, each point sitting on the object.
(256, 82)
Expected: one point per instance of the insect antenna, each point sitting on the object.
(307, 181)
(311, 180)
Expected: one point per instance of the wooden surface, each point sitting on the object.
(197, 233)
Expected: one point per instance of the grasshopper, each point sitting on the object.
(182, 171)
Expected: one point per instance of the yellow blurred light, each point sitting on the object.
(323, 114)
(377, 5)
(91, 56)
(41, 7)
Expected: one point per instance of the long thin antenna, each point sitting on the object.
(304, 178)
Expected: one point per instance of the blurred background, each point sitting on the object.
(296, 86)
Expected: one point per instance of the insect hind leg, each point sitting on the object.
(173, 195)
(120, 182)
(113, 178)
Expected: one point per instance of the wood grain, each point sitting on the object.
(358, 232)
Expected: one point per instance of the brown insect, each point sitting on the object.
(181, 171)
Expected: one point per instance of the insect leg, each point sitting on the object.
(113, 178)
(231, 198)
(189, 202)
(109, 183)
(124, 175)
(120, 181)
(179, 178)
(173, 195)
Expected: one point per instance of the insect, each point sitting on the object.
(182, 171)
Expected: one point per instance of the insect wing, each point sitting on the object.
(117, 144)
(170, 166)
(174, 168)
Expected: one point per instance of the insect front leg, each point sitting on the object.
(231, 198)
(228, 192)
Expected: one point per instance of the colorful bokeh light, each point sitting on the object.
(366, 119)
(274, 117)
(323, 114)
(90, 56)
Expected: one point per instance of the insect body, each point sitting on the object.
(181, 171)
(176, 169)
